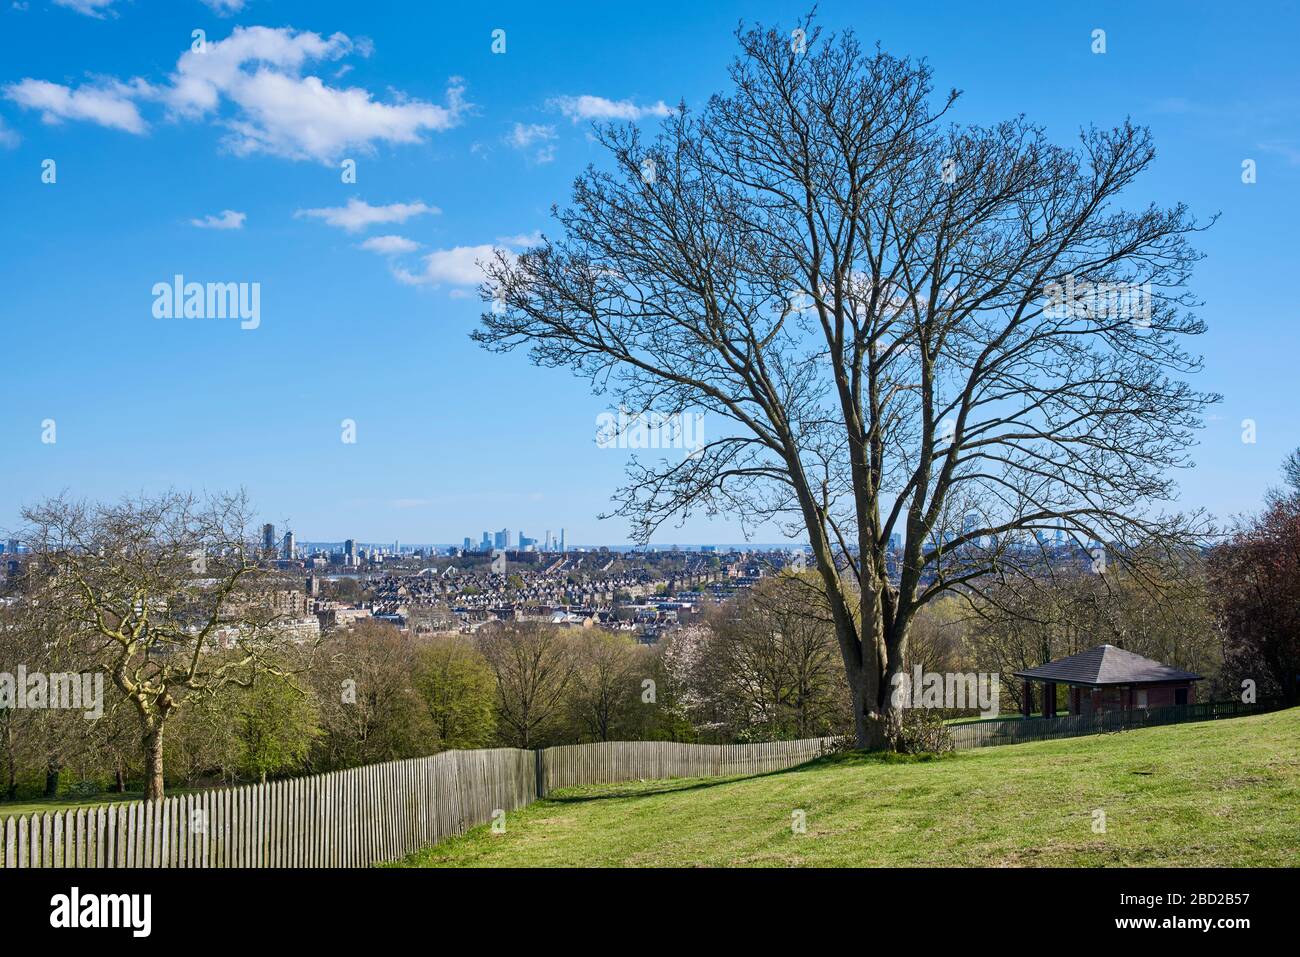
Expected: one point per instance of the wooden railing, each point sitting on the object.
(983, 734)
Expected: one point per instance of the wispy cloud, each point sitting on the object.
(224, 8)
(109, 103)
(227, 219)
(589, 107)
(1289, 151)
(390, 245)
(358, 214)
(522, 240)
(91, 8)
(525, 136)
(8, 138)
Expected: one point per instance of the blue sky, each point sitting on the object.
(457, 147)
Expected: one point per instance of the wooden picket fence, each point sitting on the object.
(342, 819)
(984, 734)
(357, 817)
(615, 761)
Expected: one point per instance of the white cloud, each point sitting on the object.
(458, 266)
(462, 265)
(91, 8)
(358, 214)
(228, 219)
(588, 107)
(390, 245)
(281, 112)
(224, 8)
(1287, 150)
(109, 103)
(523, 239)
(526, 136)
(252, 83)
(8, 138)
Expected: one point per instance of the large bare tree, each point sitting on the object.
(892, 324)
(163, 592)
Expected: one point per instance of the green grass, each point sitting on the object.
(1215, 793)
(63, 802)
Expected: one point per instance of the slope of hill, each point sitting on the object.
(1212, 793)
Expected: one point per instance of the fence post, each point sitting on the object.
(539, 764)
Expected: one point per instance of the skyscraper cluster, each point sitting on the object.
(505, 539)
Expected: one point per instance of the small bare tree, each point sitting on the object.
(533, 663)
(163, 592)
(891, 325)
(605, 691)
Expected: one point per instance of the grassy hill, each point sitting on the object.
(1211, 793)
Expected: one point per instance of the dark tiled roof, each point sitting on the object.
(1106, 665)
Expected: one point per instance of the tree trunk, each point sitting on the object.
(119, 781)
(11, 764)
(153, 771)
(52, 774)
(868, 721)
(892, 709)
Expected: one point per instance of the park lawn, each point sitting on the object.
(66, 801)
(1213, 793)
(63, 803)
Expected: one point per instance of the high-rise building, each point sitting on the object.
(467, 543)
(350, 553)
(268, 539)
(561, 539)
(289, 550)
(487, 542)
(502, 538)
(11, 547)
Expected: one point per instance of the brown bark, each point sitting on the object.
(153, 772)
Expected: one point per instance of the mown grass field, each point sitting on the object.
(1211, 793)
(63, 802)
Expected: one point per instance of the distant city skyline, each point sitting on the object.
(357, 402)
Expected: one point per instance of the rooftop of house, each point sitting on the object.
(1107, 665)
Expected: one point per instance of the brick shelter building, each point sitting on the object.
(1107, 678)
